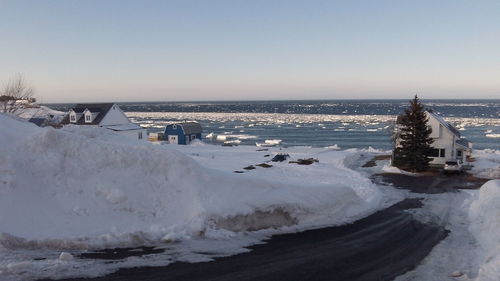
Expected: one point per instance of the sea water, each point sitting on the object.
(319, 123)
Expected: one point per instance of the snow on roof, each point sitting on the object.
(38, 112)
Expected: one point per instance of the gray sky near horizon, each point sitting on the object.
(121, 50)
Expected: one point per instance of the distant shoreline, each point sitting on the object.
(274, 100)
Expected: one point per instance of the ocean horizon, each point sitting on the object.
(345, 124)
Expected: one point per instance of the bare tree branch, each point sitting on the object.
(15, 95)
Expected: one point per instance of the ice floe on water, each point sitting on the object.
(269, 143)
(319, 130)
(262, 118)
(287, 118)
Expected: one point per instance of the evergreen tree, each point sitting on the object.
(413, 139)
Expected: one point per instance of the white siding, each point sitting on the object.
(115, 116)
(435, 125)
(134, 134)
(87, 115)
(73, 117)
(443, 139)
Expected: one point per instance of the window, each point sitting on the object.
(87, 117)
(174, 127)
(433, 152)
(436, 152)
(459, 153)
(72, 118)
(140, 135)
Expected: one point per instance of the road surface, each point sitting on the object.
(379, 247)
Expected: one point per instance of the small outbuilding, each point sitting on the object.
(183, 133)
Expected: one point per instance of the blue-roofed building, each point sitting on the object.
(183, 133)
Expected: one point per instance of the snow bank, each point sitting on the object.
(484, 215)
(487, 164)
(84, 188)
(40, 111)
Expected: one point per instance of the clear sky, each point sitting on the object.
(122, 50)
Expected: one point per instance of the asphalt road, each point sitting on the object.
(431, 183)
(379, 247)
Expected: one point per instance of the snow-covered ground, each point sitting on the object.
(484, 216)
(456, 257)
(471, 252)
(40, 111)
(487, 164)
(79, 189)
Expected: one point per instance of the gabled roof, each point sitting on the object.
(101, 108)
(463, 142)
(444, 123)
(190, 127)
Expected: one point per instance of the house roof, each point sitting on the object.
(190, 127)
(100, 108)
(39, 121)
(463, 142)
(124, 127)
(444, 123)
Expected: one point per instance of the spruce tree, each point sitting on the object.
(413, 145)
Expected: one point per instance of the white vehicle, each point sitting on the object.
(454, 166)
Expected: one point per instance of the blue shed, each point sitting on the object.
(183, 133)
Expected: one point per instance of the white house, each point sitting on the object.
(106, 115)
(448, 143)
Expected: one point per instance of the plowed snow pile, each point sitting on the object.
(487, 164)
(484, 215)
(87, 188)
